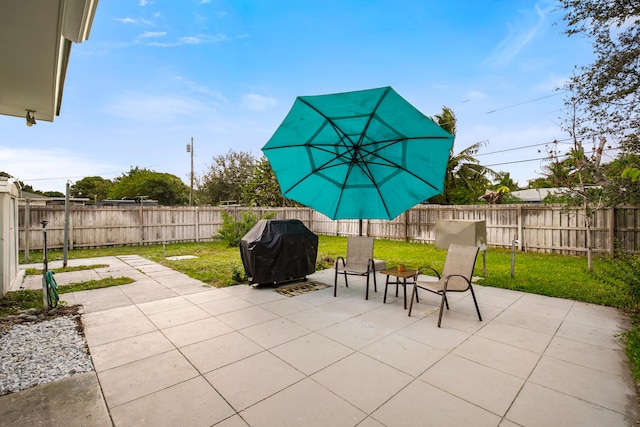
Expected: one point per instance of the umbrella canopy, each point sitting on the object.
(367, 154)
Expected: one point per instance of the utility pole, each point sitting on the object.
(66, 226)
(190, 150)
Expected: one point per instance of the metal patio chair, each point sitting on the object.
(359, 262)
(456, 277)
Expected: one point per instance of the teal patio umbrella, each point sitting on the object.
(367, 154)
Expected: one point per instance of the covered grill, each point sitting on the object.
(276, 251)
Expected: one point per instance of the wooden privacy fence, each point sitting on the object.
(538, 228)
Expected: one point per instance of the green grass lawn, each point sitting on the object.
(16, 301)
(546, 274)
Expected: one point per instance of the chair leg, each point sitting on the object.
(366, 297)
(414, 294)
(444, 299)
(335, 284)
(386, 285)
(375, 284)
(475, 302)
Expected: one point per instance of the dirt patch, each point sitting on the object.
(34, 315)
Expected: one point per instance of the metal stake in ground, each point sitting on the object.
(45, 299)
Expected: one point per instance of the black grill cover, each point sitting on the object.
(278, 251)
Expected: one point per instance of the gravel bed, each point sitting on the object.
(41, 352)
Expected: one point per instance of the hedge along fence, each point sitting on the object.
(538, 228)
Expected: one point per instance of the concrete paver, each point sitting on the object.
(169, 351)
(73, 401)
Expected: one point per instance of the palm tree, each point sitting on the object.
(465, 179)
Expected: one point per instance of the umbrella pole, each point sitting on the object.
(359, 227)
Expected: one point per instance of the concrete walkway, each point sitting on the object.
(168, 351)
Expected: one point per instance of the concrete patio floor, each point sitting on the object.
(168, 351)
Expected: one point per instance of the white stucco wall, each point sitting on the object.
(8, 233)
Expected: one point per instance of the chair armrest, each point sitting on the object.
(344, 264)
(428, 267)
(446, 280)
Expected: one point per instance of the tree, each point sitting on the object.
(263, 189)
(621, 187)
(465, 179)
(28, 187)
(578, 172)
(500, 191)
(93, 187)
(503, 179)
(167, 189)
(632, 173)
(610, 86)
(52, 193)
(226, 177)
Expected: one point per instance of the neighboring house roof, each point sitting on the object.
(29, 195)
(35, 43)
(535, 195)
(46, 200)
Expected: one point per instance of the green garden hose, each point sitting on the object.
(52, 289)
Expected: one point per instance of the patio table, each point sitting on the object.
(400, 280)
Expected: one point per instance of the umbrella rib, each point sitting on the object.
(396, 165)
(373, 113)
(314, 170)
(344, 183)
(365, 168)
(342, 135)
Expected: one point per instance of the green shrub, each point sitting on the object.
(622, 271)
(238, 274)
(233, 231)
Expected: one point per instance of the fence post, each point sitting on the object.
(520, 237)
(196, 212)
(27, 226)
(141, 221)
(71, 229)
(612, 229)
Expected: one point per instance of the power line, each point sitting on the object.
(544, 158)
(524, 146)
(523, 103)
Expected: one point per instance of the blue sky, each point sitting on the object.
(153, 74)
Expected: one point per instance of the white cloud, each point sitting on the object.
(145, 108)
(49, 169)
(189, 40)
(255, 102)
(149, 34)
(552, 82)
(201, 90)
(195, 40)
(520, 35)
(128, 20)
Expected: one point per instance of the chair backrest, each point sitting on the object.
(461, 259)
(359, 252)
